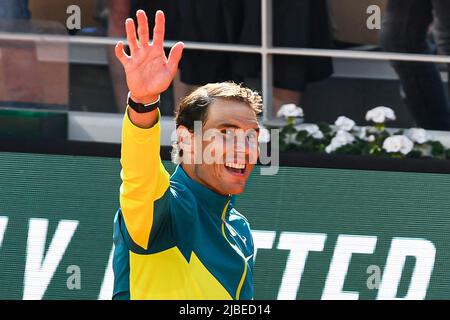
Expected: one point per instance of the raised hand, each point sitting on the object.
(148, 71)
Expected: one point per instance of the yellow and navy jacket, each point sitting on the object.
(173, 237)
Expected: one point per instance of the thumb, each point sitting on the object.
(120, 53)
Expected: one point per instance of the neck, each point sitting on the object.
(190, 171)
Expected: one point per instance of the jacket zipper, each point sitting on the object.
(244, 273)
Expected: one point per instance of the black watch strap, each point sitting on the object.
(140, 107)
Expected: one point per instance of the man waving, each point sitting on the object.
(180, 237)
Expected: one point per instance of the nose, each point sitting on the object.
(245, 148)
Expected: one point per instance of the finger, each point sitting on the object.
(142, 27)
(174, 57)
(131, 35)
(159, 29)
(120, 53)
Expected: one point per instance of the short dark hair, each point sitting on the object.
(194, 107)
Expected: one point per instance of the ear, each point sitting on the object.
(184, 138)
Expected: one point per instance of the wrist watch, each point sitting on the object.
(140, 107)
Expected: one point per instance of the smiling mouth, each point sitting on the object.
(235, 168)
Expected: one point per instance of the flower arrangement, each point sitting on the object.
(345, 137)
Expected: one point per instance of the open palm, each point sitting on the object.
(148, 71)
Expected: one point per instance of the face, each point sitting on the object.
(229, 147)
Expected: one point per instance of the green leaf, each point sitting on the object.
(288, 129)
(325, 128)
(415, 154)
(437, 148)
(301, 136)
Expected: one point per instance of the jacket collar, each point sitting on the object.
(215, 202)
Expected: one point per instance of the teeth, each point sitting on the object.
(235, 165)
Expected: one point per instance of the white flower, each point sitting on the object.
(331, 147)
(362, 133)
(417, 135)
(318, 135)
(290, 110)
(344, 123)
(398, 143)
(344, 138)
(312, 130)
(380, 114)
(341, 139)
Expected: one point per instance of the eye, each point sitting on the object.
(228, 132)
(252, 136)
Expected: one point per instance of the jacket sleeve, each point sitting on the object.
(144, 180)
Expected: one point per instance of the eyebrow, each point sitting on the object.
(231, 125)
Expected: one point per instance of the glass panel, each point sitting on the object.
(33, 74)
(79, 73)
(418, 96)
